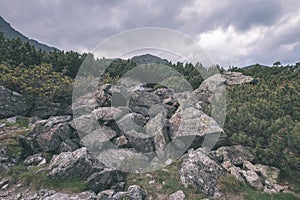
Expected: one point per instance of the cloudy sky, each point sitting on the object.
(232, 32)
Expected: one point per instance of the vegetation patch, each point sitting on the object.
(36, 177)
(163, 182)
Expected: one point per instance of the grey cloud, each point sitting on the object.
(79, 24)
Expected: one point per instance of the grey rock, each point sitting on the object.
(12, 103)
(122, 142)
(197, 129)
(108, 115)
(141, 142)
(34, 160)
(45, 110)
(236, 78)
(104, 179)
(134, 192)
(54, 195)
(179, 195)
(235, 154)
(105, 195)
(201, 172)
(143, 99)
(47, 136)
(252, 179)
(123, 159)
(76, 164)
(99, 139)
(161, 138)
(132, 121)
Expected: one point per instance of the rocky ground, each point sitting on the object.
(127, 141)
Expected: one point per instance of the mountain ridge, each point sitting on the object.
(10, 33)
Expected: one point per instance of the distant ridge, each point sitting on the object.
(250, 66)
(148, 58)
(10, 33)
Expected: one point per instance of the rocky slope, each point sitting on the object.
(105, 141)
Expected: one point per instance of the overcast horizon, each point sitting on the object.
(232, 32)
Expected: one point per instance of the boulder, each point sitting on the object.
(132, 121)
(197, 128)
(12, 103)
(123, 159)
(134, 192)
(252, 179)
(104, 179)
(237, 78)
(99, 139)
(54, 195)
(46, 110)
(161, 138)
(34, 160)
(53, 135)
(105, 194)
(76, 164)
(235, 154)
(141, 142)
(201, 172)
(108, 115)
(179, 195)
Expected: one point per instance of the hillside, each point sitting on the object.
(10, 33)
(100, 135)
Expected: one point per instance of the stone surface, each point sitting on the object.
(252, 179)
(48, 135)
(12, 103)
(236, 78)
(201, 172)
(179, 195)
(132, 121)
(76, 164)
(141, 142)
(99, 139)
(123, 159)
(134, 192)
(34, 160)
(197, 128)
(235, 154)
(104, 179)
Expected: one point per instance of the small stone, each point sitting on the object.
(179, 195)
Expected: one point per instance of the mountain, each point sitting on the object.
(10, 33)
(148, 58)
(250, 66)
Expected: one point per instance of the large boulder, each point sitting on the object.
(197, 128)
(99, 139)
(235, 154)
(54, 135)
(104, 179)
(134, 192)
(123, 159)
(12, 103)
(55, 195)
(141, 142)
(76, 164)
(237, 78)
(201, 172)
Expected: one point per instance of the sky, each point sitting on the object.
(231, 32)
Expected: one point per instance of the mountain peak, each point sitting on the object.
(10, 33)
(148, 58)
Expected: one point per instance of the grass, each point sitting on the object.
(21, 122)
(230, 185)
(36, 177)
(166, 182)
